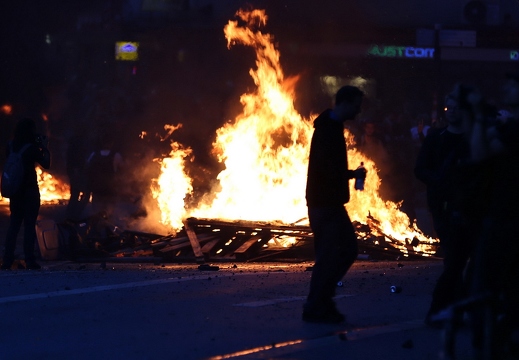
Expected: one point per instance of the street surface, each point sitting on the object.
(118, 310)
(144, 311)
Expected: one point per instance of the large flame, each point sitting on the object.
(265, 149)
(265, 153)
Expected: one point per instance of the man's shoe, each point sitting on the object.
(323, 317)
(32, 265)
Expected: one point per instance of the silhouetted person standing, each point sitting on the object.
(25, 204)
(443, 166)
(495, 145)
(327, 191)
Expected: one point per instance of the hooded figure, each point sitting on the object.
(327, 191)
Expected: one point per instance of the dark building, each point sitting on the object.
(60, 57)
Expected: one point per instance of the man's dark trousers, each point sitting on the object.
(336, 249)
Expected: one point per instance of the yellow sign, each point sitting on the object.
(126, 51)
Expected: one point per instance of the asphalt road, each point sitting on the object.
(143, 311)
(71, 310)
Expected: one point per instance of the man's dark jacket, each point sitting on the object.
(453, 182)
(327, 180)
(33, 154)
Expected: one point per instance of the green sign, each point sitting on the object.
(401, 52)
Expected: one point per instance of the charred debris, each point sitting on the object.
(206, 240)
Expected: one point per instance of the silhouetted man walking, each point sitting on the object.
(327, 191)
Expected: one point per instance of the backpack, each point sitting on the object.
(13, 173)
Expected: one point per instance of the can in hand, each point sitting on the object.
(359, 182)
(395, 289)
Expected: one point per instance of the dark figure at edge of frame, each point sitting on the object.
(25, 204)
(496, 259)
(443, 165)
(327, 191)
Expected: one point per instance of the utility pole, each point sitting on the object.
(438, 72)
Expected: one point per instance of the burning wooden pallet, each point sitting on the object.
(210, 240)
(218, 240)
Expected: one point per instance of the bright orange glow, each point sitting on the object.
(173, 185)
(265, 153)
(6, 109)
(264, 149)
(52, 191)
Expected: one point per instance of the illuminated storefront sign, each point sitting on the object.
(401, 52)
(125, 50)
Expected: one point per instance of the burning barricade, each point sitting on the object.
(249, 214)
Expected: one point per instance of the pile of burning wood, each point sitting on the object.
(211, 240)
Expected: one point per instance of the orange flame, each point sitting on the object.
(265, 148)
(265, 152)
(52, 191)
(173, 185)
